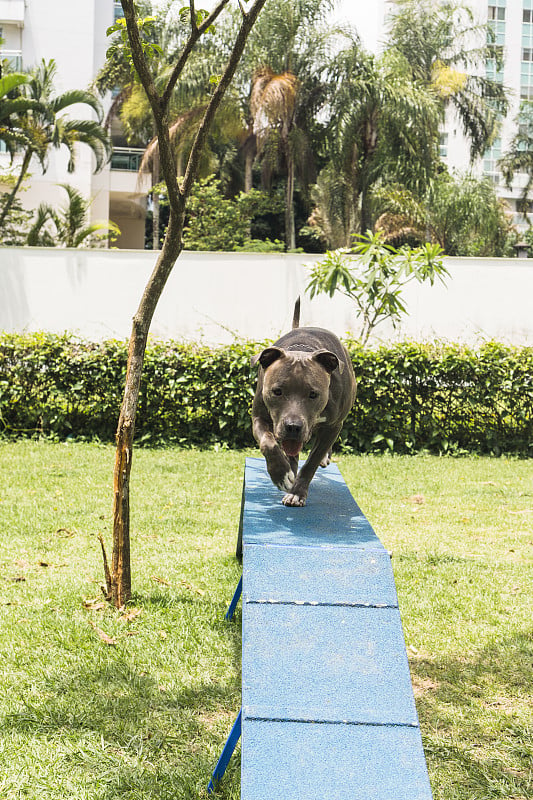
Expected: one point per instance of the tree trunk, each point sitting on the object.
(290, 232)
(155, 199)
(119, 579)
(11, 196)
(250, 151)
(366, 216)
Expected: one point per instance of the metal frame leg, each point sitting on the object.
(233, 605)
(226, 754)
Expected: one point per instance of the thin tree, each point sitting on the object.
(118, 574)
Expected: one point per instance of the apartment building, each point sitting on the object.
(511, 22)
(73, 33)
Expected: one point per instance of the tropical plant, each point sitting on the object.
(14, 232)
(519, 155)
(462, 213)
(12, 105)
(382, 123)
(45, 127)
(69, 226)
(447, 50)
(372, 274)
(214, 222)
(288, 64)
(164, 34)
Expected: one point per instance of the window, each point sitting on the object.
(496, 13)
(443, 145)
(526, 54)
(526, 15)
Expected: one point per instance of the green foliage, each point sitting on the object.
(411, 397)
(121, 42)
(16, 225)
(443, 398)
(461, 212)
(69, 226)
(214, 222)
(373, 275)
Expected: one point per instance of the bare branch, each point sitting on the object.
(240, 42)
(196, 32)
(139, 60)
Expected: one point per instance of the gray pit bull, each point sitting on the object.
(305, 388)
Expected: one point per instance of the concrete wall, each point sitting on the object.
(216, 296)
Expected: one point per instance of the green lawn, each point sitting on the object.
(99, 704)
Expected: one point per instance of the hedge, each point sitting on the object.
(411, 397)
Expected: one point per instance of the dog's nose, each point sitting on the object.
(293, 429)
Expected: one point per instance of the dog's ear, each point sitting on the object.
(267, 356)
(328, 360)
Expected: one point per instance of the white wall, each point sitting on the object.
(214, 296)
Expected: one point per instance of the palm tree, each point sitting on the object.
(447, 51)
(519, 155)
(461, 213)
(45, 127)
(273, 106)
(13, 104)
(288, 67)
(382, 123)
(71, 227)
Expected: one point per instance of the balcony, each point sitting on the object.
(12, 12)
(13, 59)
(126, 159)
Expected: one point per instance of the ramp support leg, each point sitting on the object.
(226, 754)
(233, 605)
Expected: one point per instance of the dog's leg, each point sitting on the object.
(318, 455)
(281, 469)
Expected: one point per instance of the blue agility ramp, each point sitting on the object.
(327, 705)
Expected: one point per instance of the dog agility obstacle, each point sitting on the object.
(328, 711)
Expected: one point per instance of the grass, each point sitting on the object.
(143, 713)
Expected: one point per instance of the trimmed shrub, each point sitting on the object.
(411, 397)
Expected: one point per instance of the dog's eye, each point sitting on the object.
(313, 395)
(277, 392)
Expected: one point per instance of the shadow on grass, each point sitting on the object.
(476, 716)
(132, 722)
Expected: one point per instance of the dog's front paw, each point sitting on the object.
(286, 484)
(280, 470)
(293, 500)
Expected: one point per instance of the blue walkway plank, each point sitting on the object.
(313, 574)
(297, 761)
(328, 711)
(325, 664)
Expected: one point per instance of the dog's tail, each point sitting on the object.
(296, 314)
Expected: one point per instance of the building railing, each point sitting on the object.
(13, 58)
(127, 159)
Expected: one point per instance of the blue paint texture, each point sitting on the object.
(327, 705)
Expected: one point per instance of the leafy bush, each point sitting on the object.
(411, 397)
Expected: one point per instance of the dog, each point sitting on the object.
(305, 388)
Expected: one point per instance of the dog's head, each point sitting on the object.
(295, 390)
